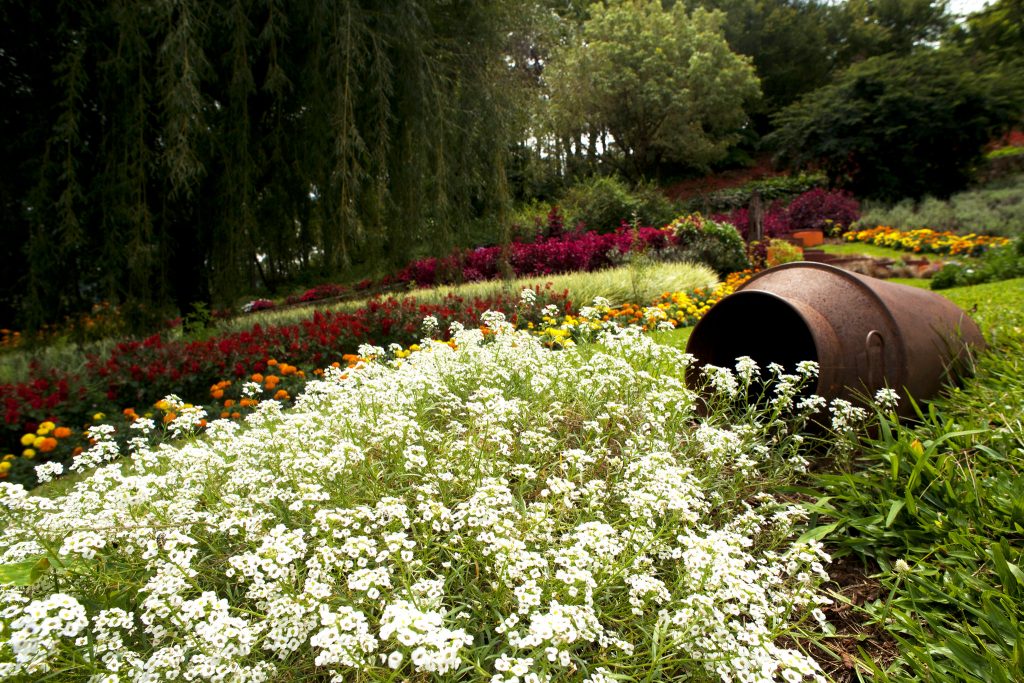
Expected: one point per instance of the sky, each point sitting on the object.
(966, 6)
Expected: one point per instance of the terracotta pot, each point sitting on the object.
(810, 238)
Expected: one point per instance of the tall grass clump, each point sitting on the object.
(614, 284)
(493, 511)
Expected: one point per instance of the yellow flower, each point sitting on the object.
(27, 439)
(4, 467)
(45, 428)
(99, 416)
(9, 456)
(38, 441)
(29, 453)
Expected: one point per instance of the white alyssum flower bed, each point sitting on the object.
(498, 512)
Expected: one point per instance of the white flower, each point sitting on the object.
(887, 399)
(48, 470)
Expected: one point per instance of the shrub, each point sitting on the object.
(324, 291)
(999, 263)
(996, 209)
(776, 221)
(573, 251)
(599, 203)
(258, 305)
(820, 209)
(781, 251)
(769, 189)
(717, 244)
(603, 203)
(653, 207)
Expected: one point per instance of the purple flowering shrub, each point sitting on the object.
(816, 209)
(820, 209)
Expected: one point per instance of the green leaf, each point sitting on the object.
(24, 573)
(894, 509)
(817, 533)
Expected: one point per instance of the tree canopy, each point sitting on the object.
(893, 127)
(788, 42)
(162, 152)
(658, 86)
(997, 29)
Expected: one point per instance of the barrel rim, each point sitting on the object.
(859, 280)
(849, 277)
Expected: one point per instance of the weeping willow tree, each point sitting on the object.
(169, 152)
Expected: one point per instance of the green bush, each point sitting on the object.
(603, 203)
(999, 263)
(781, 251)
(653, 207)
(996, 209)
(716, 244)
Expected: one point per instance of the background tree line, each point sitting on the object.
(164, 154)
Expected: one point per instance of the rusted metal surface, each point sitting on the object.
(864, 333)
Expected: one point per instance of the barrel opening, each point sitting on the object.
(756, 324)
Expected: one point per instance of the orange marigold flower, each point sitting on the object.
(257, 377)
(229, 402)
(218, 394)
(62, 432)
(225, 415)
(235, 415)
(271, 361)
(281, 395)
(48, 444)
(169, 416)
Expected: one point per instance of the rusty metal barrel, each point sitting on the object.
(864, 333)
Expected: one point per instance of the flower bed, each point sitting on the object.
(586, 251)
(830, 211)
(135, 374)
(499, 511)
(230, 375)
(926, 241)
